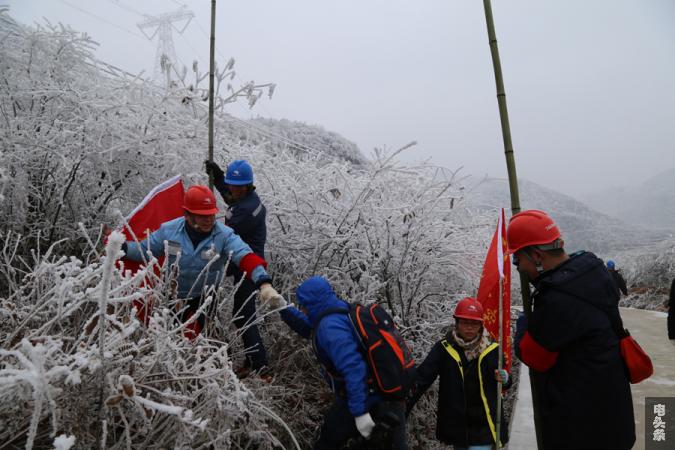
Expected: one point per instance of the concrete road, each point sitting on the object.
(649, 329)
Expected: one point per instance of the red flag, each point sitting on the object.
(497, 266)
(163, 203)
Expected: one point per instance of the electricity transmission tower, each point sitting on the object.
(162, 25)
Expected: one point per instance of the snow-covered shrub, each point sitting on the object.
(386, 233)
(76, 361)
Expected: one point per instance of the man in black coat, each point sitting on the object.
(585, 398)
(246, 216)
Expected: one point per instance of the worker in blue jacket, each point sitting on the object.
(337, 346)
(200, 247)
(246, 215)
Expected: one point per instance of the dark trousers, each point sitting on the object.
(244, 313)
(339, 427)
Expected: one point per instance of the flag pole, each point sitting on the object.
(513, 188)
(498, 441)
(212, 65)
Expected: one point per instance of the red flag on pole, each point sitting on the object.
(497, 268)
(163, 203)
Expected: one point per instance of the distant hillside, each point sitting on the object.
(651, 204)
(300, 138)
(583, 228)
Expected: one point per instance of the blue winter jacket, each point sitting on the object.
(191, 281)
(337, 344)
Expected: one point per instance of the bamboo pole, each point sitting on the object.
(211, 77)
(513, 188)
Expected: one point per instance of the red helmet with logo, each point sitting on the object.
(469, 308)
(532, 227)
(200, 200)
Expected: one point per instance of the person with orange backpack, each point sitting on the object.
(194, 242)
(466, 361)
(368, 403)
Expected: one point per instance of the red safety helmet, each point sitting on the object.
(469, 308)
(532, 227)
(200, 200)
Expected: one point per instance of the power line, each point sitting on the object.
(128, 8)
(126, 30)
(192, 47)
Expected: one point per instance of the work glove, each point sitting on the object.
(214, 170)
(269, 295)
(502, 375)
(365, 425)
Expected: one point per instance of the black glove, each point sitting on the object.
(214, 170)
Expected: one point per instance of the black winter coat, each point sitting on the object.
(463, 417)
(247, 218)
(585, 393)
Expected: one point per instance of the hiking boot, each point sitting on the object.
(243, 371)
(265, 374)
(267, 378)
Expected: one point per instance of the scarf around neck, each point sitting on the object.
(472, 349)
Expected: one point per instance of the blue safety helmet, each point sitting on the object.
(239, 173)
(610, 264)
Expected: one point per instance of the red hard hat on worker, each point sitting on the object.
(200, 200)
(469, 308)
(531, 227)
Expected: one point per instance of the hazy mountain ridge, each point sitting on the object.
(650, 204)
(302, 138)
(583, 227)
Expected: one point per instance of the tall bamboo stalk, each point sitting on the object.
(513, 187)
(212, 65)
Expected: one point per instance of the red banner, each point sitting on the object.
(497, 267)
(163, 203)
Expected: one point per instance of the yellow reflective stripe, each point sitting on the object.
(454, 354)
(491, 347)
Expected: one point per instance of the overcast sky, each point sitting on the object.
(590, 84)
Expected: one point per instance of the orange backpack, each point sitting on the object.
(382, 346)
